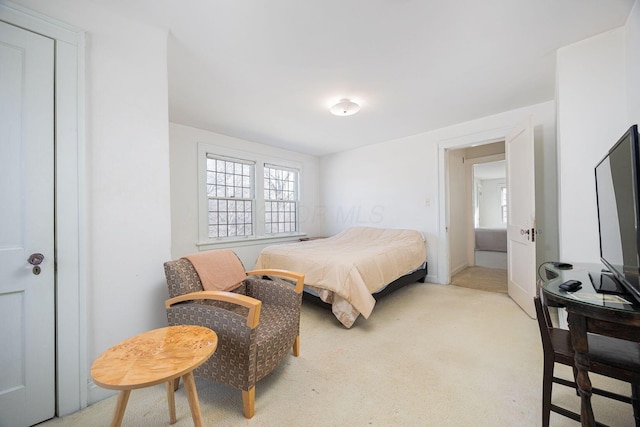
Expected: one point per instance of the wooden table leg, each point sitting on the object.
(192, 396)
(171, 400)
(123, 398)
(578, 329)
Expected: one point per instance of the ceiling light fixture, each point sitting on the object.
(344, 107)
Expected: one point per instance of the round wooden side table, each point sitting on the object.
(158, 356)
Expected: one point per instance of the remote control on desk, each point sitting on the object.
(571, 285)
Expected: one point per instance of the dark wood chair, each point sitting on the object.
(610, 357)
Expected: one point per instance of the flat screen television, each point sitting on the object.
(618, 202)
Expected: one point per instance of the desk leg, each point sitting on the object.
(123, 398)
(192, 396)
(171, 400)
(635, 395)
(578, 329)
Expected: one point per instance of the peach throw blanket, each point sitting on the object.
(219, 270)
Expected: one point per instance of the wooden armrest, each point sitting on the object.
(254, 305)
(299, 278)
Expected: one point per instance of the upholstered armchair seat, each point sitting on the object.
(257, 324)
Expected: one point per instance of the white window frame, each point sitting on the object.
(295, 201)
(235, 198)
(503, 207)
(259, 160)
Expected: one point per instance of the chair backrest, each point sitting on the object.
(219, 270)
(222, 266)
(182, 278)
(544, 323)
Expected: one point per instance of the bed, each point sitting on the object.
(347, 270)
(491, 247)
(491, 239)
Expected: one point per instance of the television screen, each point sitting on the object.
(618, 210)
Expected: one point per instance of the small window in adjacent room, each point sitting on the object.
(280, 199)
(230, 196)
(503, 203)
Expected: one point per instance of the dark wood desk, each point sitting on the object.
(589, 311)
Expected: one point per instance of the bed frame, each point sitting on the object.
(418, 275)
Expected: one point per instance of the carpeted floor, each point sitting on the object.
(429, 355)
(482, 278)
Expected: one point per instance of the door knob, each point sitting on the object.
(35, 259)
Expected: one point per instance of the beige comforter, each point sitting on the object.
(347, 268)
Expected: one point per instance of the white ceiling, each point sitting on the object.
(267, 70)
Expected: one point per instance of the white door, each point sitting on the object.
(521, 217)
(27, 322)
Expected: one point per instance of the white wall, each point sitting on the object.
(397, 183)
(632, 57)
(184, 189)
(598, 97)
(125, 218)
(490, 203)
(592, 115)
(459, 206)
(392, 184)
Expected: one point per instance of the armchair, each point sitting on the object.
(257, 323)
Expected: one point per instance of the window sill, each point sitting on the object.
(232, 243)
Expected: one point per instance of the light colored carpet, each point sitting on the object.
(429, 355)
(482, 278)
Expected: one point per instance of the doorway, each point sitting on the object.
(523, 230)
(489, 204)
(477, 196)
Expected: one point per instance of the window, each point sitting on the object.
(230, 197)
(503, 203)
(246, 196)
(280, 200)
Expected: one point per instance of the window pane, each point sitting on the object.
(503, 203)
(280, 196)
(230, 191)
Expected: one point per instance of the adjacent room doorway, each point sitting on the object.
(478, 203)
(521, 222)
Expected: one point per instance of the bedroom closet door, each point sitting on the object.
(521, 217)
(27, 278)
